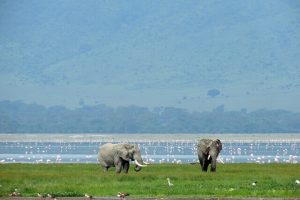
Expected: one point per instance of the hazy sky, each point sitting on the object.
(191, 54)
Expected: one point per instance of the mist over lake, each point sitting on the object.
(155, 148)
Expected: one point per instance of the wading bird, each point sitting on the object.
(169, 182)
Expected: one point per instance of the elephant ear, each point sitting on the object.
(218, 144)
(125, 151)
(204, 145)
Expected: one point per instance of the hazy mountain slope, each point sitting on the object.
(151, 53)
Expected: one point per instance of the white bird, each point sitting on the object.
(169, 182)
(88, 196)
(15, 194)
(122, 195)
(51, 196)
(40, 195)
(254, 183)
(297, 182)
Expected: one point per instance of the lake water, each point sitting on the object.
(162, 148)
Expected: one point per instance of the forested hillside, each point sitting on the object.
(18, 117)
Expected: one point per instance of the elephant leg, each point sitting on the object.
(213, 166)
(125, 166)
(200, 161)
(205, 164)
(104, 168)
(213, 169)
(118, 165)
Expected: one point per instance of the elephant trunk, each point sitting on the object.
(138, 163)
(213, 164)
(137, 168)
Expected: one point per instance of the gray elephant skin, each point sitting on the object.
(119, 156)
(208, 151)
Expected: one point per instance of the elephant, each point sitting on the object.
(208, 151)
(119, 156)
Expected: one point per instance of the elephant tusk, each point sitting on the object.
(208, 157)
(138, 164)
(220, 160)
(146, 163)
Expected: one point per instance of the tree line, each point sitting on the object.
(19, 117)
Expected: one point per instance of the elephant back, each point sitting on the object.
(105, 150)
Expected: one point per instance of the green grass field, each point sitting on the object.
(230, 180)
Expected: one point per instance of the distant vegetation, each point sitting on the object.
(18, 117)
(231, 180)
(213, 92)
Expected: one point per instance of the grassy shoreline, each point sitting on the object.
(230, 180)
